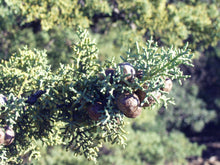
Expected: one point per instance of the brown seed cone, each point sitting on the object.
(134, 114)
(141, 94)
(168, 84)
(2, 136)
(9, 135)
(128, 69)
(129, 105)
(109, 71)
(93, 110)
(151, 99)
(139, 74)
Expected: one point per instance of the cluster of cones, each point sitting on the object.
(130, 104)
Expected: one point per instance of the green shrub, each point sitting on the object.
(170, 23)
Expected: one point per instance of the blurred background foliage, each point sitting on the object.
(154, 138)
(148, 143)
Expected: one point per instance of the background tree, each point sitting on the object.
(182, 116)
(169, 23)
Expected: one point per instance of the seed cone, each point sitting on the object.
(93, 110)
(128, 69)
(9, 135)
(168, 84)
(141, 94)
(139, 74)
(2, 136)
(151, 100)
(129, 105)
